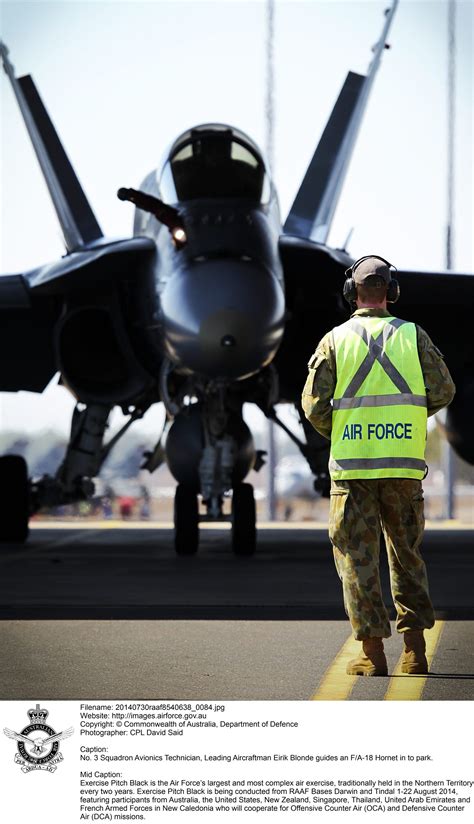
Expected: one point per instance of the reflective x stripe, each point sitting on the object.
(376, 463)
(402, 399)
(376, 353)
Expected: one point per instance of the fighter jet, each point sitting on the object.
(211, 304)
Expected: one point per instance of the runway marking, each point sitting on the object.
(115, 523)
(336, 685)
(112, 524)
(404, 687)
(319, 526)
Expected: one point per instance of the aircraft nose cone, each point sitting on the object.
(229, 340)
(223, 318)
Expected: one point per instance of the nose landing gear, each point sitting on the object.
(210, 450)
(243, 520)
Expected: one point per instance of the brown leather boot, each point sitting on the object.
(414, 659)
(371, 660)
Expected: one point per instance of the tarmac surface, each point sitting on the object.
(110, 611)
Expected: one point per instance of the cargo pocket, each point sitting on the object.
(314, 364)
(418, 509)
(338, 516)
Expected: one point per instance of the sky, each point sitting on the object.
(122, 79)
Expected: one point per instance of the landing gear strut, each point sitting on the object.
(14, 499)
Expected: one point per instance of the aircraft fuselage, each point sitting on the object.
(220, 295)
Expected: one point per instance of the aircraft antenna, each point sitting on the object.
(270, 154)
(451, 129)
(448, 455)
(270, 86)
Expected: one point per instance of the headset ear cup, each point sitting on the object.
(393, 291)
(350, 290)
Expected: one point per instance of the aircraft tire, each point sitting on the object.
(244, 530)
(186, 521)
(14, 499)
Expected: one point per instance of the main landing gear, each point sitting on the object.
(21, 497)
(243, 520)
(14, 499)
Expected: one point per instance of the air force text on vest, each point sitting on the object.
(377, 431)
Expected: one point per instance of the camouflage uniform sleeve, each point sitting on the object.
(440, 388)
(319, 387)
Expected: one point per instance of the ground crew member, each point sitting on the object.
(372, 382)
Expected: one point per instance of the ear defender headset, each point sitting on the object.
(350, 286)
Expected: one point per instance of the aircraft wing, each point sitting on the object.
(31, 305)
(440, 302)
(312, 211)
(26, 339)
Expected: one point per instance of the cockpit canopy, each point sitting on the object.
(214, 161)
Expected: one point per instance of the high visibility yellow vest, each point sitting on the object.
(379, 405)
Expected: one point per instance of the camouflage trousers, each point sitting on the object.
(359, 510)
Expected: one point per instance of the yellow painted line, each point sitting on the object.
(403, 687)
(117, 524)
(454, 523)
(336, 685)
(112, 524)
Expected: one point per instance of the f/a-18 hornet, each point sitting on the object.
(211, 304)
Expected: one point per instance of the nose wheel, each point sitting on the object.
(14, 499)
(186, 521)
(244, 531)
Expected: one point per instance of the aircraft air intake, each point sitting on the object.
(95, 357)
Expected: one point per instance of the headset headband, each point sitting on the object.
(350, 286)
(350, 271)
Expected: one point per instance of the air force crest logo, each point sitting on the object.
(38, 743)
